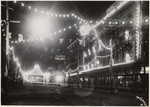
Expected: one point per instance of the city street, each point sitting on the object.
(39, 94)
(75, 53)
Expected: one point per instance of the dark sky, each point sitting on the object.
(29, 53)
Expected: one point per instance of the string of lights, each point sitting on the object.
(50, 35)
(104, 45)
(99, 57)
(16, 60)
(108, 56)
(110, 14)
(74, 69)
(52, 14)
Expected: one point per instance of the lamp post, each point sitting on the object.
(111, 66)
(84, 31)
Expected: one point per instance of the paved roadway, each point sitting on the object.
(38, 94)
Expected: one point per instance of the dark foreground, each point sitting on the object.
(39, 94)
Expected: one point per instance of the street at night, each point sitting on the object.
(75, 53)
(39, 94)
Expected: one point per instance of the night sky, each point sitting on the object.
(40, 52)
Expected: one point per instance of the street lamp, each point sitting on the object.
(84, 31)
(111, 66)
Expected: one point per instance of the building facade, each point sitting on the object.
(116, 53)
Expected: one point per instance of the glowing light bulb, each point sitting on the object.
(16, 59)
(41, 11)
(35, 10)
(97, 62)
(126, 34)
(29, 7)
(75, 16)
(146, 20)
(11, 48)
(15, 1)
(52, 14)
(89, 51)
(94, 51)
(67, 15)
(130, 22)
(22, 4)
(72, 14)
(123, 22)
(69, 27)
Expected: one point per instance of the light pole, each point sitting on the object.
(111, 66)
(84, 31)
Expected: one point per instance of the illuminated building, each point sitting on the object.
(126, 25)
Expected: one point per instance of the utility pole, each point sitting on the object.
(78, 71)
(7, 28)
